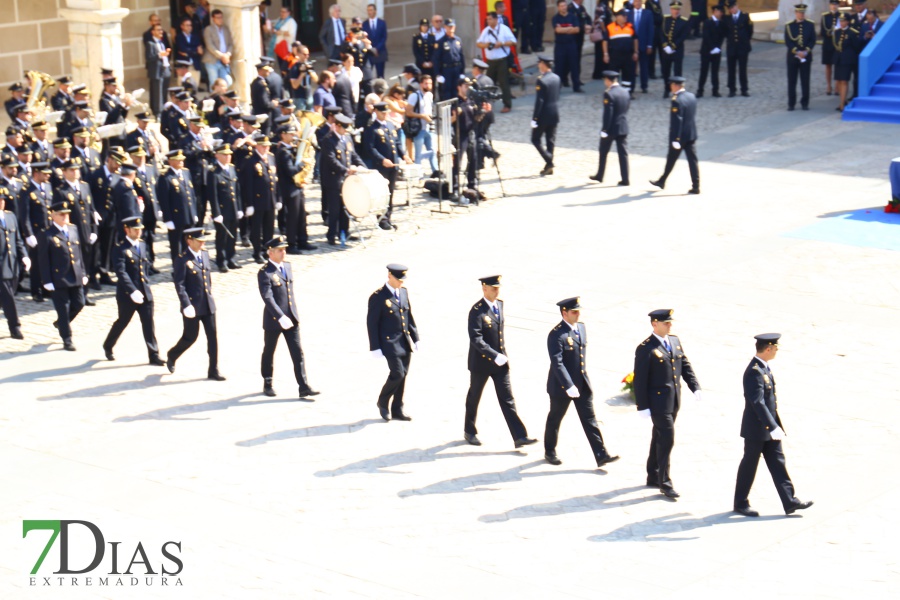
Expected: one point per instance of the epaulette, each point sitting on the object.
(828, 12)
(558, 325)
(854, 30)
(476, 305)
(809, 21)
(683, 18)
(644, 343)
(163, 170)
(758, 368)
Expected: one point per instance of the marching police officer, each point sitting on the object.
(84, 217)
(488, 360)
(546, 112)
(382, 141)
(616, 101)
(103, 181)
(762, 432)
(673, 33)
(339, 159)
(659, 366)
(88, 158)
(35, 199)
(567, 381)
(261, 98)
(224, 196)
(800, 40)
(449, 60)
(280, 316)
(193, 284)
(424, 46)
(12, 259)
(133, 293)
(682, 134)
(126, 200)
(62, 270)
(116, 108)
(62, 152)
(292, 195)
(394, 336)
(258, 179)
(145, 185)
(175, 193)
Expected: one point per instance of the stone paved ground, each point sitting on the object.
(275, 498)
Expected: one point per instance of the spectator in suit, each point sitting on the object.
(644, 30)
(148, 35)
(343, 88)
(869, 28)
(219, 46)
(377, 31)
(333, 33)
(158, 68)
(189, 46)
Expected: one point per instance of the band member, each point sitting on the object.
(88, 158)
(339, 159)
(133, 293)
(382, 141)
(546, 112)
(392, 335)
(488, 360)
(193, 283)
(292, 195)
(116, 108)
(224, 197)
(616, 101)
(568, 381)
(762, 432)
(62, 270)
(13, 259)
(197, 156)
(682, 135)
(258, 179)
(800, 40)
(175, 193)
(660, 365)
(280, 317)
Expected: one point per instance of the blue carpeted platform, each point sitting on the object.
(868, 228)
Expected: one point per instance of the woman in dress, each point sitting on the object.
(846, 57)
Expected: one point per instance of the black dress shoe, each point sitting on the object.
(659, 183)
(268, 390)
(384, 413)
(699, 93)
(233, 265)
(69, 346)
(308, 391)
(223, 269)
(89, 302)
(153, 270)
(56, 324)
(804, 108)
(472, 439)
(745, 94)
(552, 459)
(37, 298)
(606, 460)
(332, 243)
(401, 417)
(578, 91)
(670, 493)
(651, 484)
(525, 441)
(385, 224)
(746, 511)
(308, 247)
(245, 243)
(216, 376)
(16, 334)
(732, 94)
(716, 95)
(596, 178)
(799, 505)
(109, 354)
(624, 183)
(170, 365)
(157, 361)
(547, 170)
(694, 191)
(790, 108)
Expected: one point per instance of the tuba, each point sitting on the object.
(39, 83)
(306, 148)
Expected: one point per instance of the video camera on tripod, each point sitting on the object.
(480, 95)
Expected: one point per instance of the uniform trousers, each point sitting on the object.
(191, 331)
(709, 67)
(467, 148)
(34, 274)
(669, 63)
(774, 456)
(584, 405)
(295, 215)
(338, 220)
(68, 302)
(8, 302)
(105, 240)
(737, 63)
(148, 238)
(549, 133)
(661, 442)
(395, 384)
(477, 381)
(797, 69)
(498, 70)
(177, 245)
(262, 229)
(622, 150)
(622, 62)
(292, 339)
(691, 153)
(127, 308)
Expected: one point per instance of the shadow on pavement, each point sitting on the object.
(875, 214)
(623, 199)
(481, 481)
(174, 412)
(382, 464)
(570, 505)
(114, 389)
(304, 432)
(658, 529)
(50, 373)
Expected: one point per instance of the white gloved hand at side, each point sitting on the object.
(278, 206)
(137, 297)
(501, 360)
(715, 51)
(159, 215)
(440, 79)
(644, 414)
(676, 145)
(285, 322)
(533, 124)
(170, 225)
(189, 312)
(31, 241)
(240, 214)
(698, 395)
(777, 434)
(668, 50)
(377, 353)
(27, 262)
(84, 280)
(573, 392)
(219, 219)
(92, 238)
(603, 134)
(250, 211)
(49, 287)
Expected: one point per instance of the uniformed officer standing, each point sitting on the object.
(339, 159)
(280, 316)
(126, 200)
(423, 46)
(88, 158)
(546, 112)
(35, 199)
(714, 32)
(740, 33)
(12, 259)
(62, 270)
(449, 61)
(78, 194)
(682, 135)
(175, 193)
(173, 124)
(224, 197)
(762, 432)
(488, 360)
(261, 99)
(394, 336)
(116, 108)
(568, 381)
(258, 179)
(800, 40)
(62, 151)
(40, 146)
(829, 23)
(382, 141)
(292, 195)
(616, 101)
(659, 366)
(193, 283)
(133, 293)
(673, 34)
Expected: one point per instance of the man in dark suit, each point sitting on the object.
(488, 360)
(799, 40)
(133, 293)
(333, 32)
(673, 34)
(739, 34)
(62, 270)
(159, 68)
(342, 89)
(568, 382)
(714, 31)
(259, 196)
(339, 159)
(223, 193)
(682, 134)
(762, 432)
(616, 101)
(546, 112)
(644, 29)
(393, 336)
(175, 193)
(13, 260)
(189, 44)
(280, 316)
(377, 31)
(193, 283)
(660, 364)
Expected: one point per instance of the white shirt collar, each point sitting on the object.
(393, 291)
(60, 227)
(765, 364)
(492, 304)
(134, 243)
(197, 255)
(279, 266)
(574, 327)
(664, 340)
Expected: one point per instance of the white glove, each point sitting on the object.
(97, 218)
(415, 346)
(777, 434)
(250, 211)
(716, 51)
(92, 238)
(603, 134)
(49, 287)
(573, 392)
(285, 322)
(644, 414)
(501, 360)
(440, 79)
(698, 395)
(240, 214)
(189, 312)
(533, 124)
(676, 145)
(219, 219)
(137, 297)
(278, 205)
(377, 353)
(170, 225)
(27, 262)
(84, 280)
(668, 50)
(31, 241)
(159, 215)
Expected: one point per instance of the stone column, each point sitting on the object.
(242, 18)
(814, 11)
(95, 39)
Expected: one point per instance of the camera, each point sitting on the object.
(478, 94)
(491, 46)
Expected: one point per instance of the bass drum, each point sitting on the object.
(365, 193)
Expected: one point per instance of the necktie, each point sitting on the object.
(66, 233)
(397, 296)
(2, 221)
(668, 345)
(283, 273)
(496, 311)
(200, 260)
(137, 249)
(577, 334)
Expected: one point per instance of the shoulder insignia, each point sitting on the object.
(657, 353)
(683, 18)
(128, 253)
(33, 196)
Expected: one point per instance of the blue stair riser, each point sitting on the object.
(878, 103)
(870, 116)
(895, 68)
(886, 89)
(890, 78)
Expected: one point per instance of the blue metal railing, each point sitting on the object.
(880, 54)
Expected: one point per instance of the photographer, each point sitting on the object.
(465, 115)
(497, 42)
(302, 77)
